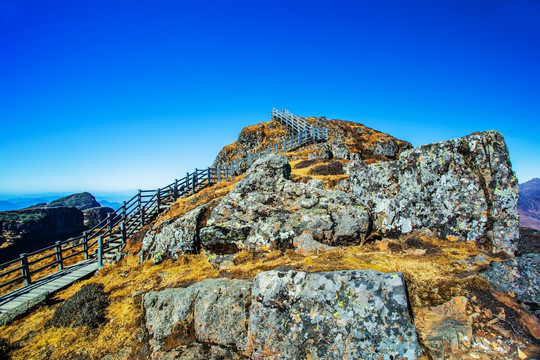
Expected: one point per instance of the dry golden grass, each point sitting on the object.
(431, 279)
(329, 181)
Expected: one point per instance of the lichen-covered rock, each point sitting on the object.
(519, 276)
(212, 311)
(463, 189)
(355, 314)
(266, 210)
(174, 236)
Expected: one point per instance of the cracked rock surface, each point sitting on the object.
(350, 314)
(266, 210)
(464, 189)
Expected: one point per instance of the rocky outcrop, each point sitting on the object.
(463, 189)
(94, 216)
(174, 236)
(286, 315)
(519, 276)
(31, 229)
(266, 210)
(529, 204)
(347, 140)
(81, 201)
(213, 311)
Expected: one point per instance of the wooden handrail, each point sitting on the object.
(144, 206)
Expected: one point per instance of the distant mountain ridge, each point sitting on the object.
(529, 204)
(39, 225)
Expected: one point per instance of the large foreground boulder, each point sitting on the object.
(266, 210)
(464, 189)
(353, 314)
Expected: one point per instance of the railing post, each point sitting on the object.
(123, 231)
(158, 200)
(109, 223)
(141, 208)
(187, 183)
(208, 176)
(85, 245)
(194, 182)
(175, 191)
(100, 252)
(25, 269)
(59, 255)
(218, 174)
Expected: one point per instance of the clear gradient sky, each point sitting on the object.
(119, 95)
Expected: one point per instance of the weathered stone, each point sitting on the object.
(463, 189)
(519, 276)
(266, 210)
(173, 237)
(199, 352)
(445, 327)
(212, 311)
(355, 314)
(305, 245)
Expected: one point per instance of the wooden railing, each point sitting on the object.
(110, 235)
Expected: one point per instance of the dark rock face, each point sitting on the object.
(464, 189)
(94, 216)
(529, 204)
(519, 276)
(81, 201)
(31, 229)
(350, 314)
(266, 210)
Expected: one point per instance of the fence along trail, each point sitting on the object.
(106, 239)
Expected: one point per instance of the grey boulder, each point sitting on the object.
(464, 189)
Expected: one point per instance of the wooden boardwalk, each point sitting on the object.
(109, 236)
(23, 299)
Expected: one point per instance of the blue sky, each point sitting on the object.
(120, 95)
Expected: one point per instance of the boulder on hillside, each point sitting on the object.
(32, 229)
(174, 236)
(81, 201)
(94, 216)
(349, 314)
(464, 189)
(266, 210)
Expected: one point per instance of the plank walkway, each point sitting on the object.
(23, 299)
(111, 234)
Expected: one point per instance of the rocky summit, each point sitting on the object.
(358, 246)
